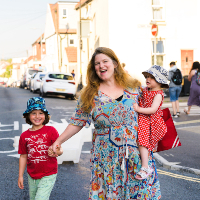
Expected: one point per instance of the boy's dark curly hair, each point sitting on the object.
(46, 121)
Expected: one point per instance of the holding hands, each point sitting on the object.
(55, 150)
(136, 107)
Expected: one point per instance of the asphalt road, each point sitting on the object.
(73, 179)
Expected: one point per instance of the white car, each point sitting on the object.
(35, 82)
(58, 83)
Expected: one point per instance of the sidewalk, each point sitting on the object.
(187, 128)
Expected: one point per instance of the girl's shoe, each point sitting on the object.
(143, 175)
(178, 114)
(186, 112)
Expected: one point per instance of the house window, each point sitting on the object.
(158, 10)
(64, 14)
(71, 41)
(159, 52)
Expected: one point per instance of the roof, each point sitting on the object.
(82, 2)
(28, 59)
(71, 54)
(39, 39)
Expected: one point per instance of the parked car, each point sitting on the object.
(58, 83)
(27, 75)
(35, 82)
(29, 81)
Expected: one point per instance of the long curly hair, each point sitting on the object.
(93, 81)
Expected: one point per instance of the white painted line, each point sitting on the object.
(15, 155)
(6, 125)
(6, 130)
(85, 151)
(16, 125)
(67, 115)
(187, 127)
(64, 121)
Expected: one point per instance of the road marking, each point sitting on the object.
(187, 122)
(15, 155)
(187, 127)
(16, 125)
(187, 178)
(64, 121)
(7, 151)
(85, 151)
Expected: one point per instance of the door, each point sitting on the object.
(186, 61)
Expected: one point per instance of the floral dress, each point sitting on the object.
(115, 157)
(152, 128)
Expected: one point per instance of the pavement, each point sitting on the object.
(178, 155)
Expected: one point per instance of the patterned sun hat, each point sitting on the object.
(159, 73)
(36, 103)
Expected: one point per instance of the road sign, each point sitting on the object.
(154, 30)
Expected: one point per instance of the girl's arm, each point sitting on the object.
(22, 166)
(68, 133)
(151, 110)
(192, 73)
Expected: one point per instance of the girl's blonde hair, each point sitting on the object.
(93, 81)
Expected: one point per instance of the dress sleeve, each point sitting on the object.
(80, 118)
(22, 149)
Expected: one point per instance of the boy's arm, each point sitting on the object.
(151, 110)
(22, 166)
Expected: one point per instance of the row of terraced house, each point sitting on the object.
(73, 31)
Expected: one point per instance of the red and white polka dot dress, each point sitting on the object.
(151, 128)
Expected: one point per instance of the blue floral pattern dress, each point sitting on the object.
(115, 158)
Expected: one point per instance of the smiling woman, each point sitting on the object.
(108, 100)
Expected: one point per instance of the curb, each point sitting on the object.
(173, 165)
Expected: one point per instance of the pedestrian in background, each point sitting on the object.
(115, 159)
(72, 73)
(194, 98)
(175, 87)
(33, 147)
(151, 125)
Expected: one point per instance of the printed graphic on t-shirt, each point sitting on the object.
(37, 148)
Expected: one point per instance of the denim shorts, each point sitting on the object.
(40, 189)
(174, 93)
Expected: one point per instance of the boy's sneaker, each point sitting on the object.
(175, 116)
(178, 114)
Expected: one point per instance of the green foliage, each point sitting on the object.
(8, 72)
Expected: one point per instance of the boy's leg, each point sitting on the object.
(45, 187)
(33, 186)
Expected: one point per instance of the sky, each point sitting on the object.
(21, 24)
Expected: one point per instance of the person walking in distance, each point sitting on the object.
(194, 98)
(108, 100)
(73, 74)
(33, 150)
(175, 87)
(151, 127)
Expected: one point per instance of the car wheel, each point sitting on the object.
(43, 94)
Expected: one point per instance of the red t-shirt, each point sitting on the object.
(36, 145)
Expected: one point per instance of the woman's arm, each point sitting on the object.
(22, 166)
(151, 110)
(192, 73)
(68, 133)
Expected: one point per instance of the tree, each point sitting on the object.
(8, 72)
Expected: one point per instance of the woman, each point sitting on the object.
(115, 160)
(174, 90)
(194, 98)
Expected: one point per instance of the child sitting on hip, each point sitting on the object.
(151, 127)
(33, 149)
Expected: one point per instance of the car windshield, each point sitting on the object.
(42, 75)
(32, 71)
(61, 76)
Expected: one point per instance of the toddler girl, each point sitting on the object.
(33, 147)
(151, 127)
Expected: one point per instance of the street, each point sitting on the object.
(73, 179)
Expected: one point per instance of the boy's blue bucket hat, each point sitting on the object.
(36, 103)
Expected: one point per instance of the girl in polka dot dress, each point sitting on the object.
(151, 127)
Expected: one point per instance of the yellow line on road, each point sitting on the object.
(178, 176)
(187, 122)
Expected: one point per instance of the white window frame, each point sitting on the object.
(161, 6)
(158, 54)
(64, 16)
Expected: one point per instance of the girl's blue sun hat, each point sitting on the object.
(36, 103)
(159, 73)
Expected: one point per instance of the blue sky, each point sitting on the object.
(21, 23)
